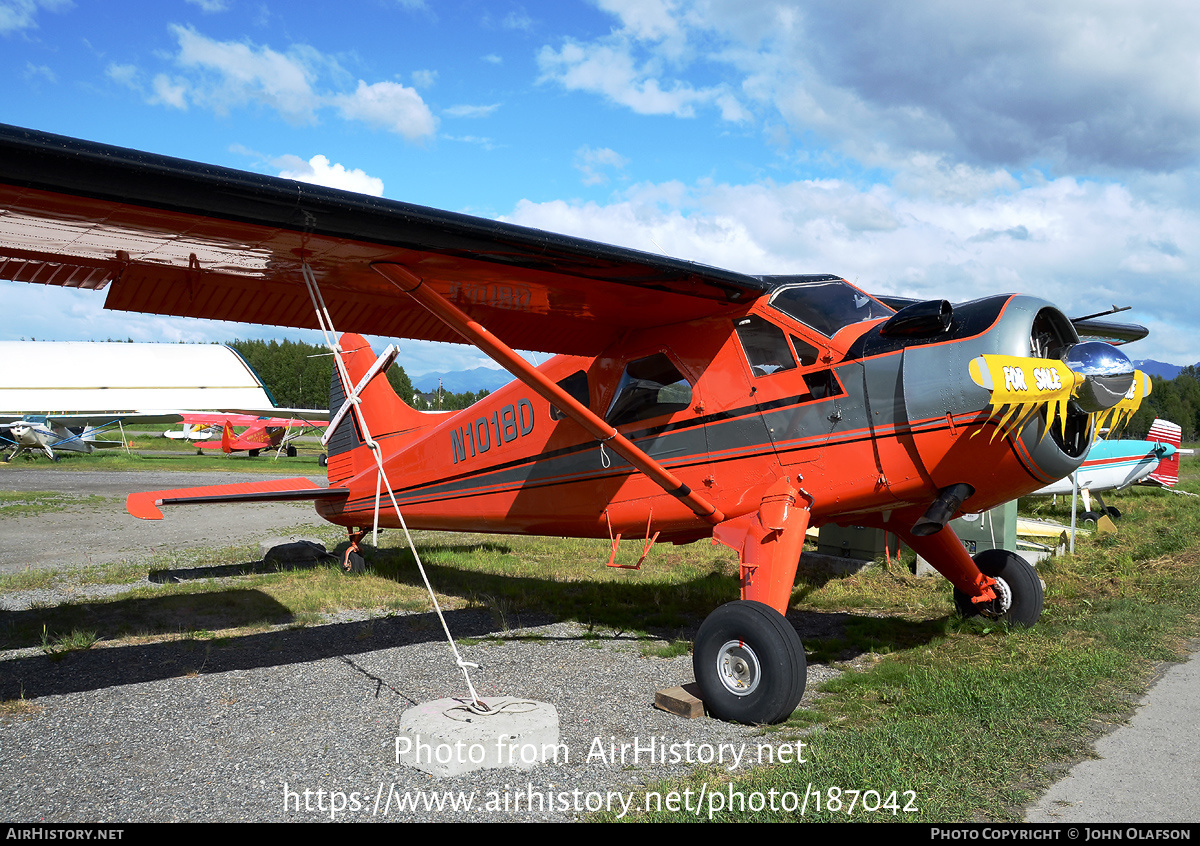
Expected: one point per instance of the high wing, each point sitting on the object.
(173, 237)
(239, 418)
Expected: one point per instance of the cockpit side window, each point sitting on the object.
(649, 387)
(576, 385)
(806, 352)
(827, 305)
(765, 345)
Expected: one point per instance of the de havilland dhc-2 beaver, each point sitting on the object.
(683, 401)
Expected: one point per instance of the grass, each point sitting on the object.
(965, 720)
(32, 503)
(961, 720)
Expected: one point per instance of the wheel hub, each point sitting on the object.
(999, 606)
(738, 668)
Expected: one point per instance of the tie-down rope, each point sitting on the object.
(353, 399)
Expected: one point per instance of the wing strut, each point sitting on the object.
(476, 334)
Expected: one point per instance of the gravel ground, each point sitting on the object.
(240, 729)
(102, 532)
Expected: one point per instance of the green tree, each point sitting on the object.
(298, 374)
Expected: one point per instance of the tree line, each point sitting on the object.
(297, 375)
(1177, 400)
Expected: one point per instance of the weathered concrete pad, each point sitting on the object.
(446, 738)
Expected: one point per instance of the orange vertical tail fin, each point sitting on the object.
(385, 413)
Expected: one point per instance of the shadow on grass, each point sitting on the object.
(609, 609)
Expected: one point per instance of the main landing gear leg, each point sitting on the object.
(748, 659)
(997, 583)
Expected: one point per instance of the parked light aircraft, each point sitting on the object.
(258, 432)
(1112, 465)
(62, 396)
(683, 401)
(39, 433)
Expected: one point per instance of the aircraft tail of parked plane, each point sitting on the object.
(1167, 472)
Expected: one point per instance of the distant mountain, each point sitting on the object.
(1157, 368)
(458, 381)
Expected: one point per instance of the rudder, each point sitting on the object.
(385, 413)
(1165, 432)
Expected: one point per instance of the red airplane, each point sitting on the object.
(259, 433)
(684, 401)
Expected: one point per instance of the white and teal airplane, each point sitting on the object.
(1112, 465)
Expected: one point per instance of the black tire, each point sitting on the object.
(1024, 587)
(323, 460)
(1113, 512)
(355, 563)
(291, 452)
(254, 453)
(749, 645)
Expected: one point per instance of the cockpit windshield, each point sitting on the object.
(826, 304)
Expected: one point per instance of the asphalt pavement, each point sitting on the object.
(1147, 771)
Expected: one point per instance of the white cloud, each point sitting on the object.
(227, 75)
(390, 106)
(592, 162)
(468, 111)
(211, 6)
(608, 68)
(1080, 244)
(1108, 85)
(234, 74)
(44, 72)
(168, 92)
(424, 78)
(320, 171)
(16, 15)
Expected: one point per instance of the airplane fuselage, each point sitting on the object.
(864, 423)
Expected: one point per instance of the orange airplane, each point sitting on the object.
(258, 433)
(683, 401)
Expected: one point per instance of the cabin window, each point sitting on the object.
(649, 387)
(576, 386)
(806, 352)
(827, 305)
(765, 345)
(822, 384)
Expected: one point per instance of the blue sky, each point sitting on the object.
(928, 149)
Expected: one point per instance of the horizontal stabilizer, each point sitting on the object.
(144, 505)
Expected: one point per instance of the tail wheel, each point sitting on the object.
(1019, 594)
(749, 664)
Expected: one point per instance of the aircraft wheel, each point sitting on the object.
(355, 563)
(749, 664)
(291, 452)
(1112, 511)
(323, 460)
(1020, 595)
(254, 453)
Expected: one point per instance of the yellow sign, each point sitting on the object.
(1021, 386)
